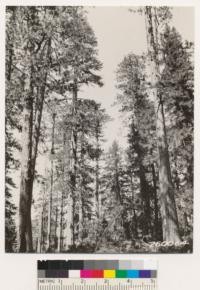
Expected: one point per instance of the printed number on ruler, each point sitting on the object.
(97, 284)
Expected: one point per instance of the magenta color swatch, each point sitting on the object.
(86, 273)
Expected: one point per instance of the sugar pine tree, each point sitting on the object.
(177, 89)
(166, 195)
(177, 84)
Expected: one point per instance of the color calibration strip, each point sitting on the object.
(97, 275)
(135, 269)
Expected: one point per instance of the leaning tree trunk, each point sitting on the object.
(167, 200)
(26, 185)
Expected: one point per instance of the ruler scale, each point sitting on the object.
(75, 284)
(97, 275)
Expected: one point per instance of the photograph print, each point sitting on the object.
(99, 129)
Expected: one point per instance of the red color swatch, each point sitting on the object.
(91, 274)
(97, 274)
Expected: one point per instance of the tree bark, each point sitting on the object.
(144, 188)
(97, 172)
(117, 184)
(56, 225)
(10, 43)
(10, 62)
(135, 223)
(26, 185)
(60, 240)
(39, 106)
(167, 200)
(82, 182)
(41, 221)
(74, 157)
(67, 211)
(49, 235)
(156, 221)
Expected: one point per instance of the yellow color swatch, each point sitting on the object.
(109, 273)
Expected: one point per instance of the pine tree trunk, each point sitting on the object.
(81, 217)
(11, 46)
(42, 220)
(74, 159)
(10, 62)
(60, 240)
(56, 225)
(49, 233)
(63, 195)
(135, 223)
(81, 189)
(39, 105)
(97, 173)
(40, 237)
(29, 153)
(97, 189)
(144, 188)
(117, 184)
(156, 221)
(167, 201)
(176, 177)
(82, 182)
(26, 185)
(67, 165)
(60, 237)
(50, 212)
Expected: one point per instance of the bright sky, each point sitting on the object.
(120, 32)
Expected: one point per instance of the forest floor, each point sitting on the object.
(135, 247)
